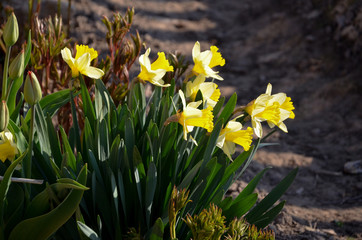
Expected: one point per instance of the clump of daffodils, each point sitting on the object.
(274, 109)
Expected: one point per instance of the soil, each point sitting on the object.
(295, 46)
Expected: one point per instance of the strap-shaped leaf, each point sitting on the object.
(53, 138)
(44, 226)
(151, 183)
(87, 103)
(228, 109)
(269, 216)
(218, 106)
(70, 158)
(88, 232)
(251, 185)
(239, 208)
(5, 183)
(271, 198)
(157, 230)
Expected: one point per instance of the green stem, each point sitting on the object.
(28, 159)
(8, 92)
(5, 73)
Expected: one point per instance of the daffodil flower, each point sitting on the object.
(285, 107)
(8, 148)
(81, 63)
(209, 90)
(233, 134)
(206, 60)
(154, 72)
(192, 117)
(271, 108)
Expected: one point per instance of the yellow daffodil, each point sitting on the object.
(81, 63)
(206, 60)
(8, 148)
(271, 108)
(233, 134)
(154, 72)
(209, 90)
(192, 117)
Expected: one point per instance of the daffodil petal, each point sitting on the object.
(83, 62)
(182, 96)
(67, 57)
(196, 50)
(93, 72)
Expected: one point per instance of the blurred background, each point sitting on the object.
(309, 49)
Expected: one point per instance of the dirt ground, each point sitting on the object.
(289, 45)
(293, 46)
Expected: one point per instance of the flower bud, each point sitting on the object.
(11, 31)
(16, 67)
(4, 116)
(32, 90)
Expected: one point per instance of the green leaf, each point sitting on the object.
(70, 158)
(72, 184)
(211, 144)
(157, 230)
(103, 141)
(129, 139)
(42, 130)
(5, 183)
(16, 113)
(271, 198)
(269, 216)
(122, 192)
(151, 183)
(249, 189)
(239, 208)
(15, 207)
(51, 103)
(218, 106)
(228, 109)
(87, 103)
(114, 193)
(94, 166)
(190, 176)
(55, 146)
(42, 227)
(21, 141)
(75, 123)
(88, 232)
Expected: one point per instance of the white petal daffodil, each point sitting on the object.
(206, 60)
(209, 90)
(81, 63)
(233, 134)
(271, 108)
(191, 117)
(154, 72)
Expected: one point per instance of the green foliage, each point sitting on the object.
(129, 166)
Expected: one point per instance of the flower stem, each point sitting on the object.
(28, 159)
(5, 73)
